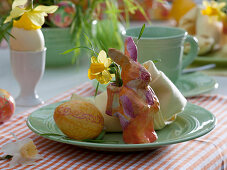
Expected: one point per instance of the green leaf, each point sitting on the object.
(112, 70)
(101, 135)
(156, 61)
(90, 43)
(99, 141)
(4, 28)
(70, 50)
(10, 35)
(5, 157)
(141, 32)
(96, 140)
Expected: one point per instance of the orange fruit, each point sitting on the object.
(79, 119)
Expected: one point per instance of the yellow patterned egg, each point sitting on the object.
(79, 119)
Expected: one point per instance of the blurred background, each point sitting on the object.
(80, 23)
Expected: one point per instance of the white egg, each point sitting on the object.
(26, 40)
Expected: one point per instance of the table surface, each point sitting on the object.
(57, 80)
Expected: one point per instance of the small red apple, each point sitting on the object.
(7, 106)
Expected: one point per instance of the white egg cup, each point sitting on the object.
(28, 68)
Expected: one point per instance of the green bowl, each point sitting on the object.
(57, 41)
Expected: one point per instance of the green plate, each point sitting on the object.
(194, 122)
(217, 57)
(192, 84)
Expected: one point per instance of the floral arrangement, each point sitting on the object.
(215, 10)
(103, 69)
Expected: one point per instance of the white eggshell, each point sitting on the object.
(27, 40)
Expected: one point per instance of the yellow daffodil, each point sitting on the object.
(99, 68)
(214, 9)
(30, 19)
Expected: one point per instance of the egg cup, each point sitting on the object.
(28, 68)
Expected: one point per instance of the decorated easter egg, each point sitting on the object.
(7, 106)
(79, 119)
(63, 17)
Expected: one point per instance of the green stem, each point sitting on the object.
(118, 76)
(32, 3)
(96, 90)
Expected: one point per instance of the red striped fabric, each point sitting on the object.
(207, 152)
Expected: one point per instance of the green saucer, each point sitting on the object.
(217, 57)
(191, 84)
(192, 123)
(196, 83)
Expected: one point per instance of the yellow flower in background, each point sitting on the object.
(214, 9)
(31, 18)
(99, 68)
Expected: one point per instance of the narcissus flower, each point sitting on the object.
(30, 18)
(23, 152)
(214, 9)
(99, 68)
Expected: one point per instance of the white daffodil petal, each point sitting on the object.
(15, 160)
(37, 18)
(46, 9)
(37, 157)
(10, 148)
(18, 3)
(106, 77)
(8, 19)
(222, 5)
(23, 142)
(102, 56)
(94, 59)
(24, 161)
(205, 3)
(108, 62)
(16, 12)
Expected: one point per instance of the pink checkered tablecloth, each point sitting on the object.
(207, 152)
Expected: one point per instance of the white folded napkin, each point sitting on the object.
(171, 100)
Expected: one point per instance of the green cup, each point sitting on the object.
(166, 45)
